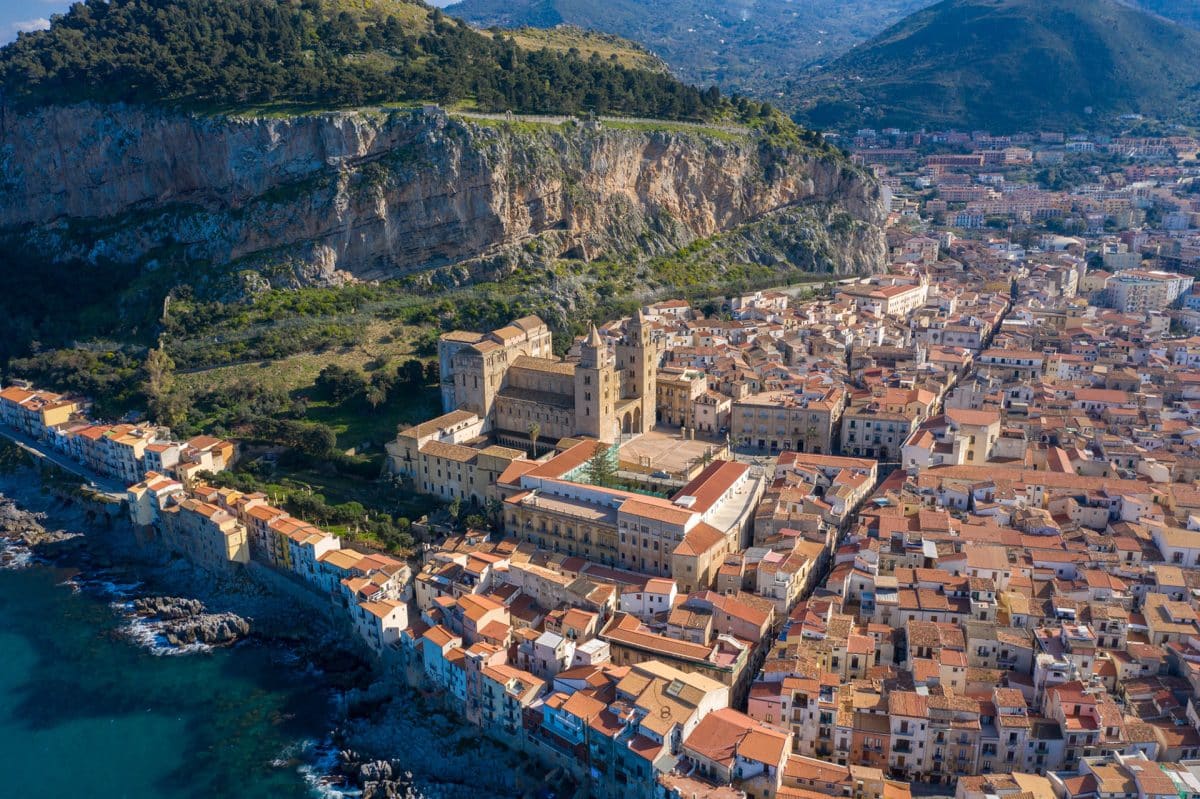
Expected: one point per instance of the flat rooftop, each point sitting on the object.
(664, 450)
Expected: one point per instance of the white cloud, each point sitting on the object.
(30, 25)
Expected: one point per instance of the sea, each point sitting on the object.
(90, 706)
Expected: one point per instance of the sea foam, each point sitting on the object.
(318, 769)
(150, 633)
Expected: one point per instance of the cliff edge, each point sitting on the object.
(318, 199)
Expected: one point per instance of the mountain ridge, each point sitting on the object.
(753, 47)
(231, 54)
(1010, 65)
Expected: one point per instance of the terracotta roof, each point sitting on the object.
(708, 486)
(699, 540)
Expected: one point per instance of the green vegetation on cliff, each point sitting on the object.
(235, 53)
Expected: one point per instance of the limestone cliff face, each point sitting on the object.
(318, 198)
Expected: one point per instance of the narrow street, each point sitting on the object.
(108, 486)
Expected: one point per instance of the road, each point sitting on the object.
(110, 487)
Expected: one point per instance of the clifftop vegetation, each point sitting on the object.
(231, 53)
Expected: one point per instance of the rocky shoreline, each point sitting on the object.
(22, 529)
(174, 608)
(181, 622)
(185, 622)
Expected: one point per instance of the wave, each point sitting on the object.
(14, 556)
(110, 588)
(319, 769)
(150, 634)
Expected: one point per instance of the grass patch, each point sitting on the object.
(355, 428)
(587, 43)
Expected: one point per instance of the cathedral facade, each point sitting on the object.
(511, 379)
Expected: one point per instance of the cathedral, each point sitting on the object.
(511, 379)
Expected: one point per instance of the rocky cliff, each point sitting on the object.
(318, 198)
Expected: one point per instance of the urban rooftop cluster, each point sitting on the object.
(940, 525)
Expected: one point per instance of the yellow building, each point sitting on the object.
(206, 534)
(780, 421)
(552, 505)
(34, 412)
(678, 391)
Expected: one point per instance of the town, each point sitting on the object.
(935, 530)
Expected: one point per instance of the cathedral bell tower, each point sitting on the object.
(595, 390)
(637, 362)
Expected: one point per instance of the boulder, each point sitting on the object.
(215, 629)
(168, 607)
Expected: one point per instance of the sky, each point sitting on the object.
(18, 15)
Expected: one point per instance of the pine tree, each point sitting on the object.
(602, 468)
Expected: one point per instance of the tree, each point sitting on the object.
(317, 440)
(376, 396)
(493, 509)
(166, 406)
(412, 372)
(200, 52)
(159, 370)
(535, 432)
(339, 383)
(601, 468)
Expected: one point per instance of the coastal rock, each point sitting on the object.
(184, 621)
(214, 629)
(378, 779)
(448, 759)
(21, 525)
(321, 198)
(168, 607)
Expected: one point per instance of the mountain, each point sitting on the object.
(237, 53)
(225, 149)
(756, 47)
(1011, 65)
(1185, 12)
(330, 197)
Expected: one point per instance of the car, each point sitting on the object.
(660, 475)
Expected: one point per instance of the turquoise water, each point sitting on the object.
(84, 712)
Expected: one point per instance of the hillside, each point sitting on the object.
(585, 43)
(1185, 12)
(261, 181)
(235, 54)
(1011, 65)
(755, 47)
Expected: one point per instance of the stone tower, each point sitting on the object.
(595, 390)
(637, 363)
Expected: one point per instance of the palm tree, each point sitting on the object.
(535, 432)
